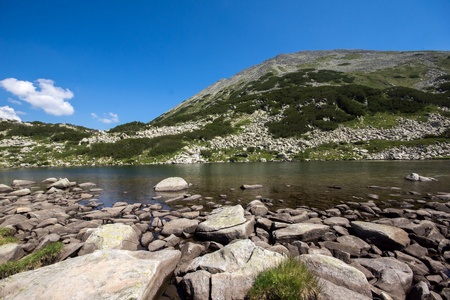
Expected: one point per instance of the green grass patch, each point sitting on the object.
(291, 280)
(7, 236)
(44, 256)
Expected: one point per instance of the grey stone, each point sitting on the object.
(393, 276)
(197, 285)
(104, 274)
(383, 236)
(178, 226)
(225, 224)
(171, 184)
(301, 231)
(339, 274)
(10, 251)
(111, 236)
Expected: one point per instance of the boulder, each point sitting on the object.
(111, 236)
(10, 251)
(62, 183)
(178, 226)
(5, 188)
(225, 224)
(304, 232)
(385, 237)
(335, 275)
(20, 193)
(171, 184)
(104, 274)
(49, 180)
(393, 276)
(417, 177)
(232, 270)
(257, 208)
(18, 183)
(251, 186)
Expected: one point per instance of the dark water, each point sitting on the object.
(296, 183)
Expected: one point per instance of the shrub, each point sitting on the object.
(129, 127)
(290, 280)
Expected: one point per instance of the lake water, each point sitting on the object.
(296, 183)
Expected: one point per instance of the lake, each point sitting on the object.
(295, 183)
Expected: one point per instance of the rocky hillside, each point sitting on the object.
(310, 105)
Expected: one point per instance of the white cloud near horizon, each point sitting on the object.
(111, 118)
(8, 113)
(50, 98)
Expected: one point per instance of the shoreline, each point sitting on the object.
(36, 215)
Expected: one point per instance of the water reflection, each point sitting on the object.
(297, 183)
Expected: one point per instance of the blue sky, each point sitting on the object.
(103, 63)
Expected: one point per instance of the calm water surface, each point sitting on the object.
(297, 183)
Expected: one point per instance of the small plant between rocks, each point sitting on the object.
(7, 236)
(291, 280)
(42, 257)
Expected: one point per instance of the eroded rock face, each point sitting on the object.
(332, 270)
(383, 236)
(111, 236)
(104, 274)
(225, 224)
(172, 184)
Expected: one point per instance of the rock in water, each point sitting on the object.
(104, 274)
(417, 177)
(111, 236)
(172, 184)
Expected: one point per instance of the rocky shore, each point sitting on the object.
(213, 249)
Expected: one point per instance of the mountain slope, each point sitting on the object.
(418, 69)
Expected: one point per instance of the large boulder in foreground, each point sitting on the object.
(385, 237)
(172, 184)
(229, 272)
(111, 236)
(338, 280)
(225, 224)
(104, 274)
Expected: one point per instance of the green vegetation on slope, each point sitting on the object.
(39, 130)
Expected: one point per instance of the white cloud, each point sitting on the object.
(14, 101)
(8, 113)
(110, 118)
(50, 98)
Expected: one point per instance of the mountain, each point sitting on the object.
(309, 105)
(422, 70)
